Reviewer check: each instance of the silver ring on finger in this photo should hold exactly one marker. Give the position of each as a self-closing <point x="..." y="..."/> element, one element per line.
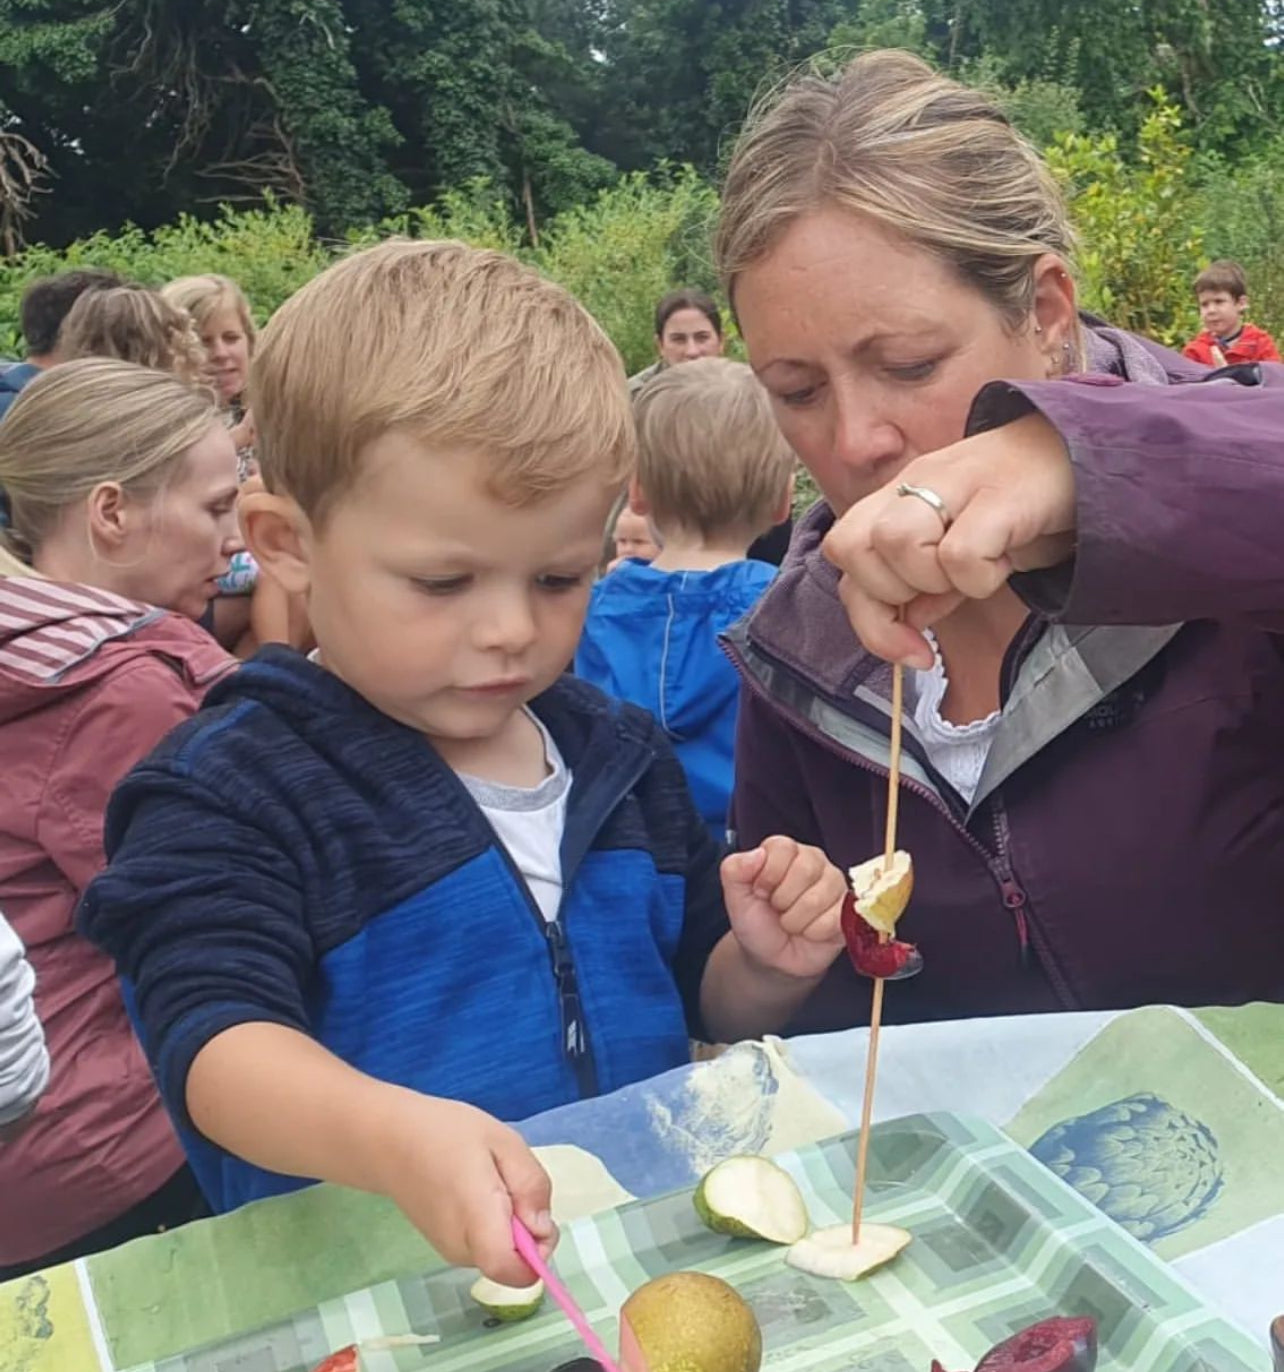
<point x="928" y="497"/>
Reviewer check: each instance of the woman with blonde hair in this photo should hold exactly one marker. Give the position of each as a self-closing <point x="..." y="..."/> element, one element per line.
<point x="1067" y="540"/>
<point x="121" y="486"/>
<point x="221" y="313"/>
<point x="134" y="324"/>
<point x="226" y="328"/>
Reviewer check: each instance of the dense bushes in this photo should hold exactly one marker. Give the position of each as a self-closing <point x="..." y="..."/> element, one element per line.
<point x="617" y="254"/>
<point x="1148" y="220"/>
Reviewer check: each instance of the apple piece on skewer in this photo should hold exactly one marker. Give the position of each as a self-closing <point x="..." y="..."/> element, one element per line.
<point x="831" y="1252"/>
<point x="882" y="889"/>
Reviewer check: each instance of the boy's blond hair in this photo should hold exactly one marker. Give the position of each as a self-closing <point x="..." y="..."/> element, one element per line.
<point x="1223" y="276"/>
<point x="710" y="455"/>
<point x="133" y="324"/>
<point x="461" y="348"/>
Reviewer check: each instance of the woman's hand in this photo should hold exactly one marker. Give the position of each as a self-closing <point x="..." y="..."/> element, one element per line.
<point x="1010" y="493"/>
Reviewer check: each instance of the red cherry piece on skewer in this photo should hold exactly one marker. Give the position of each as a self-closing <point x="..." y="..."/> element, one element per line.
<point x="894" y="960"/>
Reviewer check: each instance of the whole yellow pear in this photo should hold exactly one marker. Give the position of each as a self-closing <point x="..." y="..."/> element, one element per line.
<point x="689" y="1322"/>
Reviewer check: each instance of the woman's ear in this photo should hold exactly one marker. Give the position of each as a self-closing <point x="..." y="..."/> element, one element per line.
<point x="1056" y="314"/>
<point x="279" y="535"/>
<point x="638" y="502"/>
<point x="112" y="518"/>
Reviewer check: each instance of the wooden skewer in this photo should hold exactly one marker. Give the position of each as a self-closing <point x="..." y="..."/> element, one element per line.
<point x="876" y="1010"/>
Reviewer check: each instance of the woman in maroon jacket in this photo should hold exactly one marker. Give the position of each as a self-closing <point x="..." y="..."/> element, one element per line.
<point x="121" y="486"/>
<point x="1072" y="543"/>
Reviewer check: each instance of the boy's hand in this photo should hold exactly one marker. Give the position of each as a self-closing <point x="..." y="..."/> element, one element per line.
<point x="459" y="1176"/>
<point x="784" y="900"/>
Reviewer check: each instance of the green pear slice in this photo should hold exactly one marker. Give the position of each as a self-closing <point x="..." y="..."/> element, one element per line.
<point x="831" y="1252"/>
<point x="752" y="1198"/>
<point x="507" y="1303"/>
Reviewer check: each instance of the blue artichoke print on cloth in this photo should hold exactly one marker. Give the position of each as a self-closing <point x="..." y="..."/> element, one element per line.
<point x="1151" y="1168"/>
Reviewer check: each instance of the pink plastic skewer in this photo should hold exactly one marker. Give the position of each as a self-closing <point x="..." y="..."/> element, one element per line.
<point x="529" y="1250"/>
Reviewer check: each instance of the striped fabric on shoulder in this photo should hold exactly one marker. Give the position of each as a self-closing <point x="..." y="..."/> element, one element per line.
<point x="49" y="627"/>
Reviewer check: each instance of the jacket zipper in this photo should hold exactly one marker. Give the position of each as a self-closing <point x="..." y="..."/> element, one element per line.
<point x="574" y="1026"/>
<point x="1018" y="903"/>
<point x="574" y="1030"/>
<point x="1014" y="897"/>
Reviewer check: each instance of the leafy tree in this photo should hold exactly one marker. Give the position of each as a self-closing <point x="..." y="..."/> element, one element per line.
<point x="1138" y="222"/>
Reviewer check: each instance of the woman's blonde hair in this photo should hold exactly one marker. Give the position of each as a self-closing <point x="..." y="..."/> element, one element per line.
<point x="203" y="296"/>
<point x="134" y="324"/>
<point x="84" y="423"/>
<point x="892" y="140"/>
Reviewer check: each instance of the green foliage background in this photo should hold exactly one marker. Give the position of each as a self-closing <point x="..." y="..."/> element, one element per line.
<point x="259" y="137"/>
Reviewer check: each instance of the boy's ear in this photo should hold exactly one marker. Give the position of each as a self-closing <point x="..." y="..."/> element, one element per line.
<point x="638" y="502"/>
<point x="786" y="505"/>
<point x="279" y="535"/>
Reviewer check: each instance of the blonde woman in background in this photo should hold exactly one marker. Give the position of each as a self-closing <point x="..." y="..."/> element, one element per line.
<point x="221" y="312"/>
<point x="134" y="324"/>
<point x="121" y="484"/>
<point x="1093" y="788"/>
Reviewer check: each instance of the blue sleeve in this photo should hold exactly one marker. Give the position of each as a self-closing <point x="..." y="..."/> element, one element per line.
<point x="204" y="914"/>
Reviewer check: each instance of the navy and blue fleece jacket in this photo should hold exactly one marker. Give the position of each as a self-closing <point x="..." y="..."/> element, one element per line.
<point x="294" y="856"/>
<point x="651" y="637"/>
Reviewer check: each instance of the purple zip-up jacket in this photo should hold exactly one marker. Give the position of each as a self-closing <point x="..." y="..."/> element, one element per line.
<point x="1126" y="843"/>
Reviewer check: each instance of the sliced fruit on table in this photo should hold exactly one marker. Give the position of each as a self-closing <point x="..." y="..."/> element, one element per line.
<point x="1056" y="1345"/>
<point x="348" y="1359"/>
<point x="752" y="1198"/>
<point x="507" y="1303"/>
<point x="831" y="1253"/>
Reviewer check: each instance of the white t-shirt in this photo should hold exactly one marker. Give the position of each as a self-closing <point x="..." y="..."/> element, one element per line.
<point x="957" y="751"/>
<point x="24" y="1061"/>
<point x="529" y="822"/>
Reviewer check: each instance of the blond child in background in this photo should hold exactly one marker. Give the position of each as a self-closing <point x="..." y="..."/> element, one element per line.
<point x="374" y="902"/>
<point x="713" y="475"/>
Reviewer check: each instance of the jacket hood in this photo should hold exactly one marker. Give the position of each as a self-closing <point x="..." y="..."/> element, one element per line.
<point x="651" y="637"/>
<point x="57" y="637"/>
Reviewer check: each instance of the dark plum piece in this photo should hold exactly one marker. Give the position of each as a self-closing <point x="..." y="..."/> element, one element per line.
<point x="1055" y="1345"/>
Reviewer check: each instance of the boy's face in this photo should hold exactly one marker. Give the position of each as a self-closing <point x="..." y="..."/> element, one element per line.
<point x="444" y="607"/>
<point x="1221" y="312"/>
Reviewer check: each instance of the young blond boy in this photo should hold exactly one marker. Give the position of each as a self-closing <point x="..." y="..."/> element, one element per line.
<point x="713" y="475"/>
<point x="1222" y="291"/>
<point x="367" y="906"/>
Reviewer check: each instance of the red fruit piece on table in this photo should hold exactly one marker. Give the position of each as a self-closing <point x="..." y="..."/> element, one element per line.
<point x="893" y="961"/>
<point x="1056" y="1345"/>
<point x="344" y="1360"/>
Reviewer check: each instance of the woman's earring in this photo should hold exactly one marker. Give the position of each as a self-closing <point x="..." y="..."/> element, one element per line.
<point x="1067" y="357"/>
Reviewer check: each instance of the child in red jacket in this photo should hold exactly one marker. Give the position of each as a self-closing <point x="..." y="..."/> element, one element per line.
<point x="1226" y="339"/>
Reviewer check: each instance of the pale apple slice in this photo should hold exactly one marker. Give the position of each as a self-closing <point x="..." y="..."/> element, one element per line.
<point x="831" y="1252"/>
<point x="752" y="1198"/>
<point x="507" y="1303"/>
<point x="883" y="890"/>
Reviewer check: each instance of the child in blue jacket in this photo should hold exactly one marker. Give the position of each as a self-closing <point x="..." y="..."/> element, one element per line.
<point x="370" y="903"/>
<point x="713" y="475"/>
